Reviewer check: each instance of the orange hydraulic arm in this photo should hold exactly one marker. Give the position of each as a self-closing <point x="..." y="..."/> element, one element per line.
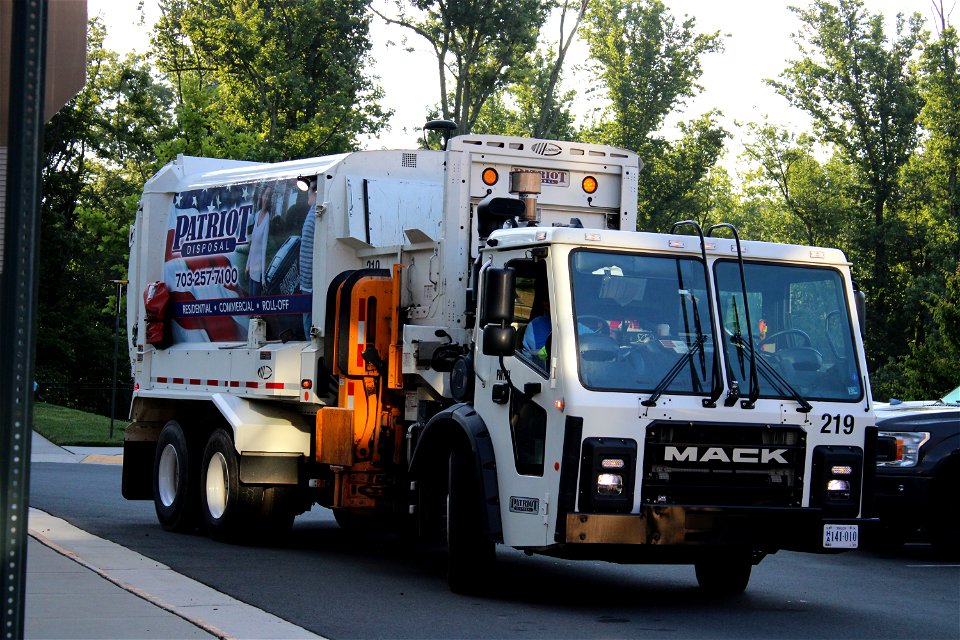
<point x="362" y="437"/>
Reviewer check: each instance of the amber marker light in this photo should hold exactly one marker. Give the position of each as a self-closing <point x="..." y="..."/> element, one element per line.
<point x="306" y="383"/>
<point x="490" y="176"/>
<point x="589" y="184"/>
<point x="559" y="404"/>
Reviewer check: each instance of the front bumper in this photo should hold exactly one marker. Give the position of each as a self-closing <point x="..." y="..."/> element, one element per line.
<point x="902" y="500"/>
<point x="761" y="529"/>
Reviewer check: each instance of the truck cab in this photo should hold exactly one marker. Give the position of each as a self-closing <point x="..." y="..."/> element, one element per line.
<point x="692" y="396"/>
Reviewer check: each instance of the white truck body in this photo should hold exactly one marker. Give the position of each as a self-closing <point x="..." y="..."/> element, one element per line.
<point x="717" y="436"/>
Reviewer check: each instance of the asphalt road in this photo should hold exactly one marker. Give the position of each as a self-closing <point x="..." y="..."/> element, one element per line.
<point x="344" y="585"/>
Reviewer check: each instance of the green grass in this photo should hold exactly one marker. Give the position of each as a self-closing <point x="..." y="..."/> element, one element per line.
<point x="64" y="426"/>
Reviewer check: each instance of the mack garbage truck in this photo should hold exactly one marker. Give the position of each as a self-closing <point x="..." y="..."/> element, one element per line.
<point x="475" y="346"/>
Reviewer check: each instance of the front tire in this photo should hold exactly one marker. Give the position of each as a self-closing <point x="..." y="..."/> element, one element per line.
<point x="175" y="485"/>
<point x="725" y="576"/>
<point x="470" y="552"/>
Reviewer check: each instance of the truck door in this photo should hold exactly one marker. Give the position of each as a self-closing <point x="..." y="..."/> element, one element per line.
<point x="517" y="405"/>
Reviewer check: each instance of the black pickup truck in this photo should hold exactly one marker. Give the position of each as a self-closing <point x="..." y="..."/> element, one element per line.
<point x="918" y="472"/>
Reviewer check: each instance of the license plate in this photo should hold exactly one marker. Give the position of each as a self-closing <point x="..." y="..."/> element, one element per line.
<point x="840" y="536"/>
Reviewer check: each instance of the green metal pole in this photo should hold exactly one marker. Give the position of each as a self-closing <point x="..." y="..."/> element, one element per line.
<point x="18" y="302"/>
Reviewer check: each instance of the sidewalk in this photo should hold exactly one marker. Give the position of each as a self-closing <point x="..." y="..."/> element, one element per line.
<point x="82" y="586"/>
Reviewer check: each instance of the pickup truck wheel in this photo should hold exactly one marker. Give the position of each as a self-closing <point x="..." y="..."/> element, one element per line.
<point x="722" y="577"/>
<point x="945" y="528"/>
<point x="175" y="485"/>
<point x="220" y="488"/>
<point x="470" y="553"/>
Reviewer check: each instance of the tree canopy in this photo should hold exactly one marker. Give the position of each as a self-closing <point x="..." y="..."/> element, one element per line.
<point x="480" y="47"/>
<point x="876" y="175"/>
<point x="268" y="80"/>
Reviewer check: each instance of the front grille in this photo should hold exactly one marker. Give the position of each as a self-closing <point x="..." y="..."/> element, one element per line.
<point x="723" y="465"/>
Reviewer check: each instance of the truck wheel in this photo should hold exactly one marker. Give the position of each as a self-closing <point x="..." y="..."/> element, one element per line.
<point x="945" y="528"/>
<point x="724" y="576"/>
<point x="220" y="506"/>
<point x="175" y="480"/>
<point x="470" y="553"/>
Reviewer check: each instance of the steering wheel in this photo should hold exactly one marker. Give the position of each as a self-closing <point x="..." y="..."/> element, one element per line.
<point x="773" y="336"/>
<point x="596" y="324"/>
<point x="596" y="348"/>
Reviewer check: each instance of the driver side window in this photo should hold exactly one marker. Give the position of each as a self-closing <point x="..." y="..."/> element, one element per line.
<point x="532" y="316"/>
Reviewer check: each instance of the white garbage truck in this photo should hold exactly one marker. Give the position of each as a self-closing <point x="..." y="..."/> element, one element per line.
<point x="476" y="346"/>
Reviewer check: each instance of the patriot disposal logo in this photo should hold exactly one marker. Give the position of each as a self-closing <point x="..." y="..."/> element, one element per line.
<point x="205" y="225"/>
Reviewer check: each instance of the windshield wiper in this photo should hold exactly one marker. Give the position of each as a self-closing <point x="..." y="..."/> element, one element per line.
<point x="674" y="371"/>
<point x="767" y="370"/>
<point x="716" y="387"/>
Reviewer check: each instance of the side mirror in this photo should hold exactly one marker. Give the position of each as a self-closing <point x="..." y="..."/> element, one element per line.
<point x="860" y="302"/>
<point x="499" y="341"/>
<point x="499" y="290"/>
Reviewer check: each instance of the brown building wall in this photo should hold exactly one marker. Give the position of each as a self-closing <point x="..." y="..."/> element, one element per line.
<point x="65" y="72"/>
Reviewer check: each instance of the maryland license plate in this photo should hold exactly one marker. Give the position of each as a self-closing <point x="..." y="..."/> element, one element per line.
<point x="840" y="536"/>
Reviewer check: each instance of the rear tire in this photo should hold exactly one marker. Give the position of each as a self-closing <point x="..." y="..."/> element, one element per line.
<point x="470" y="553"/>
<point x="724" y="577"/>
<point x="220" y="505"/>
<point x="232" y="512"/>
<point x="175" y="484"/>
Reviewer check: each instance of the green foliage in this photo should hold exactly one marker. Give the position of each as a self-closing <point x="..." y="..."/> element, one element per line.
<point x="928" y="236"/>
<point x="480" y="46"/>
<point x="674" y="184"/>
<point x="862" y="93"/>
<point x="815" y="196"/>
<point x="930" y="370"/>
<point x="267" y="80"/>
<point x="270" y="80"/>
<point x="531" y="106"/>
<point x="650" y="65"/>
<point x="98" y="150"/>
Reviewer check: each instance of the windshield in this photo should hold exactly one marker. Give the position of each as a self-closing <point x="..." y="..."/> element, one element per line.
<point x="638" y="316"/>
<point x="952" y="398"/>
<point x="800" y="328"/>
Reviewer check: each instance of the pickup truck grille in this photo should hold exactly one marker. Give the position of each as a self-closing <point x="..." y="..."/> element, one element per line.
<point x="723" y="465"/>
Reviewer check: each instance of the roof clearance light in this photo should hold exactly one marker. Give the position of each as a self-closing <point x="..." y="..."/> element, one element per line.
<point x="490" y="176"/>
<point x="589" y="184"/>
<point x="675" y="244"/>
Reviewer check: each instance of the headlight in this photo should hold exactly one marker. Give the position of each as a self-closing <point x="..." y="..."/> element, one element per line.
<point x="609" y="484"/>
<point x="907" y="443"/>
<point x="838" y="489"/>
<point x="836" y="480"/>
<point x="607" y="475"/>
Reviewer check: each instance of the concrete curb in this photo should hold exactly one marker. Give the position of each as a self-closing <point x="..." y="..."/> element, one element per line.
<point x="214" y="612"/>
